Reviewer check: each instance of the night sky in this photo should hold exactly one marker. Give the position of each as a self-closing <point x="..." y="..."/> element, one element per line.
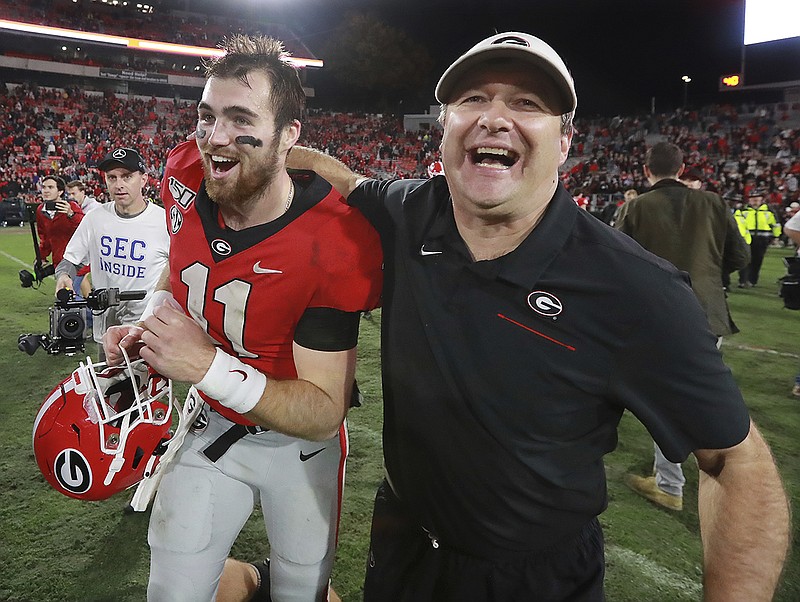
<point x="622" y="53"/>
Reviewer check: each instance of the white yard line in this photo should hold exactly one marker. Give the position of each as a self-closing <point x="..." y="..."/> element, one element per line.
<point x="759" y="350"/>
<point x="663" y="578"/>
<point x="17" y="259"/>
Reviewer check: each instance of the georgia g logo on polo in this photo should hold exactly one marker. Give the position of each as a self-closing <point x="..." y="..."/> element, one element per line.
<point x="72" y="471"/>
<point x="545" y="303"/>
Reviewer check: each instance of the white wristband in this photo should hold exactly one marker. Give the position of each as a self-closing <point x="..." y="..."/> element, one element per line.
<point x="233" y="383"/>
<point x="159" y="297"/>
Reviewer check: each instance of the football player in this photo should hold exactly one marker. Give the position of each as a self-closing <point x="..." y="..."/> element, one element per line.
<point x="259" y="310"/>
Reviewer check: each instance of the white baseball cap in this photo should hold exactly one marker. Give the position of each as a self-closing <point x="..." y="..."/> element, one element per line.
<point x="512" y="45"/>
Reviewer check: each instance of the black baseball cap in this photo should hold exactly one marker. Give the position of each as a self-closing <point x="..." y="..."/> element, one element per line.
<point x="128" y="158"/>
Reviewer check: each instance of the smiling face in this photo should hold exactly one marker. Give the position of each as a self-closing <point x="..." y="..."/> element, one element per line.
<point x="502" y="142"/>
<point x="242" y="152"/>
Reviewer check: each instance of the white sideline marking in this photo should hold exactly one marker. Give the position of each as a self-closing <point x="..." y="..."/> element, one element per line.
<point x="17" y="259"/>
<point x="662" y="577"/>
<point x="759" y="350"/>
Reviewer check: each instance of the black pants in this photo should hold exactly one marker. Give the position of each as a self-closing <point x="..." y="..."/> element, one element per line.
<point x="758" y="248"/>
<point x="404" y="566"/>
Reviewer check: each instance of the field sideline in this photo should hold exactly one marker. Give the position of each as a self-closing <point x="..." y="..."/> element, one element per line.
<point x="58" y="549"/>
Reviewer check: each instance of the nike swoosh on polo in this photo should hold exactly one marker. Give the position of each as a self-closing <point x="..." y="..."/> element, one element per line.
<point x="304" y="457"/>
<point x="423" y="251"/>
<point x="259" y="270"/>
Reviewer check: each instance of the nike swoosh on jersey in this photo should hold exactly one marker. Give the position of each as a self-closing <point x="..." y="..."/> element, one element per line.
<point x="259" y="270"/>
<point x="304" y="457"/>
<point x="423" y="251"/>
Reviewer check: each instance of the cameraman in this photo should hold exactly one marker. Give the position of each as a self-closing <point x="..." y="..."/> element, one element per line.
<point x="56" y="219"/>
<point x="125" y="242"/>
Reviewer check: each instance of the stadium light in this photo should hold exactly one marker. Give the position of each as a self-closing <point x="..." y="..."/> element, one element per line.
<point x="134" y="43"/>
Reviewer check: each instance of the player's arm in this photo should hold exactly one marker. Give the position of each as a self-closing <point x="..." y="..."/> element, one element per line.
<point x="129" y="335"/>
<point x="310" y="407"/>
<point x="341" y="177"/>
<point x="744" y="521"/>
<point x="313" y="406"/>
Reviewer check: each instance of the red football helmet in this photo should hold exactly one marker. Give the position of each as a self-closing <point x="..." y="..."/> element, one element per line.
<point x="103" y="429"/>
<point x="435" y="169"/>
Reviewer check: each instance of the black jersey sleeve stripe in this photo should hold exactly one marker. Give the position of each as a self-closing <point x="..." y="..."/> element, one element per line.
<point x="327" y="329"/>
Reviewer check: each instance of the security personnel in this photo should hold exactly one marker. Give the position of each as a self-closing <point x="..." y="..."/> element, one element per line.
<point x="742" y="224"/>
<point x="763" y="228"/>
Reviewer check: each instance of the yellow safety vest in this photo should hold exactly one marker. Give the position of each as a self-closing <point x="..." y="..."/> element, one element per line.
<point x="742" y="223"/>
<point x="761" y="221"/>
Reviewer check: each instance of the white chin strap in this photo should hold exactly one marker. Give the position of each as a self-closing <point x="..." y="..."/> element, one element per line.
<point x="148" y="486"/>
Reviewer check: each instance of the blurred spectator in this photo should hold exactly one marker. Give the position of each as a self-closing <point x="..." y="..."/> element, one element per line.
<point x="56" y="219"/>
<point x="695" y="231"/>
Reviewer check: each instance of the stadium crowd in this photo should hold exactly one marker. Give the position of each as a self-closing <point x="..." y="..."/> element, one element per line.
<point x="67" y="131"/>
<point x="180" y="28"/>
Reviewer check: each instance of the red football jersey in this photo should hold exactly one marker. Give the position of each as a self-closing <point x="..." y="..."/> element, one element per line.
<point x="249" y="288"/>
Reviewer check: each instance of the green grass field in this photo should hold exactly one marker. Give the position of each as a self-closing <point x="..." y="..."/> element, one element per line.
<point x="54" y="548"/>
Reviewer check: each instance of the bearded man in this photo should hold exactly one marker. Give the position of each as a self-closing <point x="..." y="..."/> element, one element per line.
<point x="259" y="310"/>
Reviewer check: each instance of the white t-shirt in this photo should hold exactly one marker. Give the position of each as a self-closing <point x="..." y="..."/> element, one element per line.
<point x="793" y="223"/>
<point x="89" y="203"/>
<point x="125" y="253"/>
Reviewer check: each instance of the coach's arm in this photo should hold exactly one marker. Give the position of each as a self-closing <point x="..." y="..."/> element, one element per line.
<point x="744" y="521"/>
<point x="341" y="177"/>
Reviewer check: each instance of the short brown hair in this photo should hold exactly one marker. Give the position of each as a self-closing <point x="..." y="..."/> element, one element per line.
<point x="244" y="54"/>
<point x="58" y="180"/>
<point x="664" y="160"/>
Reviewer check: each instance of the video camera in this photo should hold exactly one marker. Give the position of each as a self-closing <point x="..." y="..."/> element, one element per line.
<point x="69" y="318"/>
<point x="40" y="272"/>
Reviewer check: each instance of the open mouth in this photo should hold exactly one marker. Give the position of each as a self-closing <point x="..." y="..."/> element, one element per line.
<point x="222" y="165"/>
<point x="495" y="158"/>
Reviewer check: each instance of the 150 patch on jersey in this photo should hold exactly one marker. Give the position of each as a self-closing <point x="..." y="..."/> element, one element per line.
<point x="182" y="194"/>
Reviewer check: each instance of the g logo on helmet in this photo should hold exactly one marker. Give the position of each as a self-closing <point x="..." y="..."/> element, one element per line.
<point x="72" y="471"/>
<point x="103" y="429"/>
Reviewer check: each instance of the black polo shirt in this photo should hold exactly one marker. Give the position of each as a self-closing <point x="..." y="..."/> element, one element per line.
<point x="504" y="380"/>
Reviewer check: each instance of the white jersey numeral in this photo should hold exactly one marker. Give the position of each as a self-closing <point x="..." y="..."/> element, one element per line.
<point x="232" y="295"/>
